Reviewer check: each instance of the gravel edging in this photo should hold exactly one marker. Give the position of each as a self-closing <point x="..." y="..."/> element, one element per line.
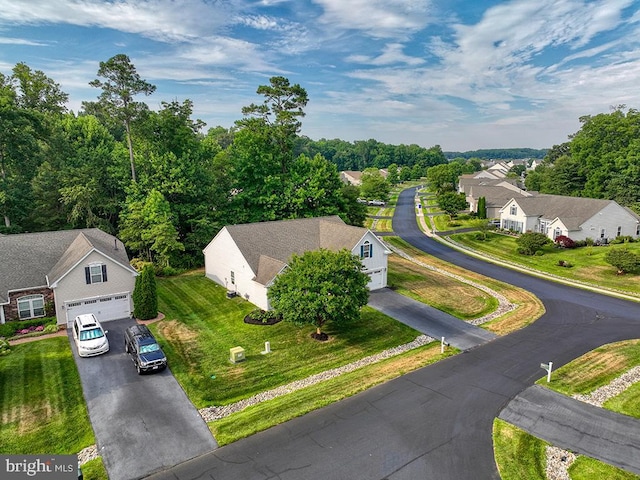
<point x="212" y="413"/>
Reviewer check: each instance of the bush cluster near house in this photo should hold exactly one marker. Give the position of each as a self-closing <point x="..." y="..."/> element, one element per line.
<point x="531" y="242"/>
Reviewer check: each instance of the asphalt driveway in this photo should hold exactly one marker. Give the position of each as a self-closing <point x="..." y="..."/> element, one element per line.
<point x="429" y="320"/>
<point x="577" y="426"/>
<point x="142" y="423"/>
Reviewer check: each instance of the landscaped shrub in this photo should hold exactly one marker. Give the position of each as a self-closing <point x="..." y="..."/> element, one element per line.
<point x="622" y="239"/>
<point x="5" y="349"/>
<point x="624" y="260"/>
<point x="564" y="263"/>
<point x="145" y="296"/>
<point x="589" y="242"/>
<point x="529" y="243"/>
<point x="13" y="328"/>
<point x="539" y="253"/>
<point x="565" y="242"/>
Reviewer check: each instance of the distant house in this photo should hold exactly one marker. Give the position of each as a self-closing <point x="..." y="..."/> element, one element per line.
<point x="496" y="191"/>
<point x="351" y="177"/>
<point x="75" y="271"/>
<point x="575" y="217"/>
<point x="246" y="258"/>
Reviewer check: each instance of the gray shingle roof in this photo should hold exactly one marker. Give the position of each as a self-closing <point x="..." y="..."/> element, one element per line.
<point x="268" y="246"/>
<point x="27" y="259"/>
<point x="573" y="211"/>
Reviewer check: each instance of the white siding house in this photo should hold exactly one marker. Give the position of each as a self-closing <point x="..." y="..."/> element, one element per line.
<point x="246" y="258"/>
<point x="575" y="217"/>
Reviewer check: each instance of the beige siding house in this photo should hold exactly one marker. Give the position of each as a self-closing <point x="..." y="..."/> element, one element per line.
<point x="74" y="271"/>
<point x="246" y="258"/>
<point x="575" y="217"/>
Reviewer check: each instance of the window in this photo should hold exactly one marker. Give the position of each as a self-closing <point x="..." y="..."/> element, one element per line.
<point x="233" y="278"/>
<point x="366" y="250"/>
<point x="31" y="306"/>
<point x="602" y="232"/>
<point x="638" y="230"/>
<point x="513" y="210"/>
<point x="619" y="231"/>
<point x="95" y="273"/>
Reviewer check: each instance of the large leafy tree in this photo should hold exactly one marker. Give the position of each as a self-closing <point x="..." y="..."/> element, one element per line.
<point x="147" y="227"/>
<point x="452" y="202"/>
<point x="374" y="186"/>
<point x="120" y="86"/>
<point x="319" y="287"/>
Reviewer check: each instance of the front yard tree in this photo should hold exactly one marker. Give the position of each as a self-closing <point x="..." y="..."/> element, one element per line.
<point x="122" y="83"/>
<point x="530" y="242"/>
<point x="145" y="294"/>
<point x="624" y="260"/>
<point x="374" y="186"/>
<point x="318" y="287"/>
<point x="452" y="202"/>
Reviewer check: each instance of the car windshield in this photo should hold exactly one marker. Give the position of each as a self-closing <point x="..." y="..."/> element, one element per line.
<point x="154" y="347"/>
<point x="91" y="334"/>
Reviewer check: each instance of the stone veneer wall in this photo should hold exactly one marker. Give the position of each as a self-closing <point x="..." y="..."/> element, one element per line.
<point x="11" y="310"/>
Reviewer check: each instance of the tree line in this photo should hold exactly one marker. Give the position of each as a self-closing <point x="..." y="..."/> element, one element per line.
<point x="157" y="179"/>
<point x="601" y="160"/>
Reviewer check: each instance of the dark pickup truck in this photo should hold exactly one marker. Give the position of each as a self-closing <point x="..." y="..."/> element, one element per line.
<point x="145" y="352"/>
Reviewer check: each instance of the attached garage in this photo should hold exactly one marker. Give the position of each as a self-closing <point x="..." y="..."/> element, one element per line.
<point x="109" y="307"/>
<point x="377" y="279"/>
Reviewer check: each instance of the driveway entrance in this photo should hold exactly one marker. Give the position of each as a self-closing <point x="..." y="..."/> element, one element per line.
<point x="142" y="423"/>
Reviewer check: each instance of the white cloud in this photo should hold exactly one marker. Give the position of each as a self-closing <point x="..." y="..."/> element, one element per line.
<point x="376" y="18"/>
<point x="392" y="54"/>
<point x="164" y="20"/>
<point x="21" y="41"/>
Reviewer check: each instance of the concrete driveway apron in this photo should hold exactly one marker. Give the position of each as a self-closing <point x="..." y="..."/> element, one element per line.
<point x="142" y="423"/>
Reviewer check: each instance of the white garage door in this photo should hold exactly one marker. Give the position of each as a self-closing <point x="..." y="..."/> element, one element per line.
<point x="109" y="307"/>
<point x="375" y="280"/>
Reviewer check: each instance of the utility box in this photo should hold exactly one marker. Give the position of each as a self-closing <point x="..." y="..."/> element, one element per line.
<point x="237" y="354"/>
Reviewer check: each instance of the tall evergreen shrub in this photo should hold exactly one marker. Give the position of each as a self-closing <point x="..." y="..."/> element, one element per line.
<point x="145" y="294"/>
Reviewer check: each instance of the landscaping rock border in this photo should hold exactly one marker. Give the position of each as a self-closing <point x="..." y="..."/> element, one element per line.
<point x="210" y="414"/>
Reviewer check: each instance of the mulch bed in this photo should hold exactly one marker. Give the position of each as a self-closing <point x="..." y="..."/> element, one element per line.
<point x="252" y="321"/>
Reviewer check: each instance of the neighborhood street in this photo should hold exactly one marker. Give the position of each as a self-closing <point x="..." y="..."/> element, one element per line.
<point x="435" y="422"/>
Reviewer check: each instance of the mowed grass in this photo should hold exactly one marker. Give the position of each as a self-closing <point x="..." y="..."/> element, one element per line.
<point x="201" y="325"/>
<point x="41" y="403"/>
<point x="438" y="290"/>
<point x="519" y="456"/>
<point x="588" y="262"/>
<point x="267" y="414"/>
<point x="595" y="369"/>
<point x="529" y="308"/>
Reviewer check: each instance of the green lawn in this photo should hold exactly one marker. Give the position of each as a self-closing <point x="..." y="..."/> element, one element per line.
<point x="43" y="410"/>
<point x="588" y="263"/>
<point x="201" y="325"/>
<point x="596" y="369"/>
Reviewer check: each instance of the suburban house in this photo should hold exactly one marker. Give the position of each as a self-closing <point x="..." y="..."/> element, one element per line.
<point x="246" y="258"/>
<point x="575" y="217"/>
<point x="495" y="193"/>
<point x="352" y="177"/>
<point x="69" y="272"/>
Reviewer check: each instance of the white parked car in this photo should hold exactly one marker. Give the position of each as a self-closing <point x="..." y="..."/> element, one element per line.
<point x="90" y="337"/>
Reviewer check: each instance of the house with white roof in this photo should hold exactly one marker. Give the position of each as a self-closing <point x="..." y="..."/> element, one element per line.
<point x="246" y="258"/>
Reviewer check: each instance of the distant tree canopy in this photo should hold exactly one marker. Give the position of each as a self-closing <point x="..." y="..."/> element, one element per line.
<point x="499" y="154"/>
<point x="601" y="160"/>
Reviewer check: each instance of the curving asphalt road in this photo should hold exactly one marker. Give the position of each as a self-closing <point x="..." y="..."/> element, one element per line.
<point x="435" y="422"/>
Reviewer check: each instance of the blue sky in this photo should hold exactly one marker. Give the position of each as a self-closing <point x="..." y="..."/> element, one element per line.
<point x="463" y="74"/>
